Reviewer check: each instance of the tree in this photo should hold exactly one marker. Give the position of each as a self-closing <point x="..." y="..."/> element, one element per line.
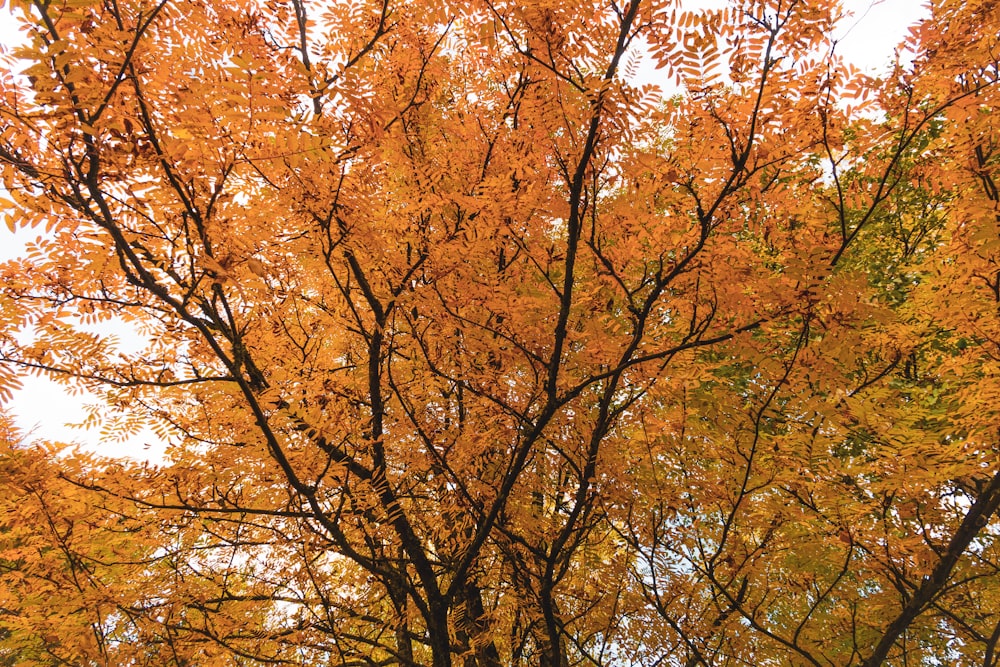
<point x="470" y="350"/>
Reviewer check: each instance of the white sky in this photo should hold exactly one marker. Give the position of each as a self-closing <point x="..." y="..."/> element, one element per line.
<point x="43" y="409"/>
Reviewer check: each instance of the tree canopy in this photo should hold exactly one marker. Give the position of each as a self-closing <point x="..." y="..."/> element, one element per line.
<point x="471" y="348"/>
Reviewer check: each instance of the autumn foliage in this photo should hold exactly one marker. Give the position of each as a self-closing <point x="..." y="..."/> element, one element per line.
<point x="472" y="347"/>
